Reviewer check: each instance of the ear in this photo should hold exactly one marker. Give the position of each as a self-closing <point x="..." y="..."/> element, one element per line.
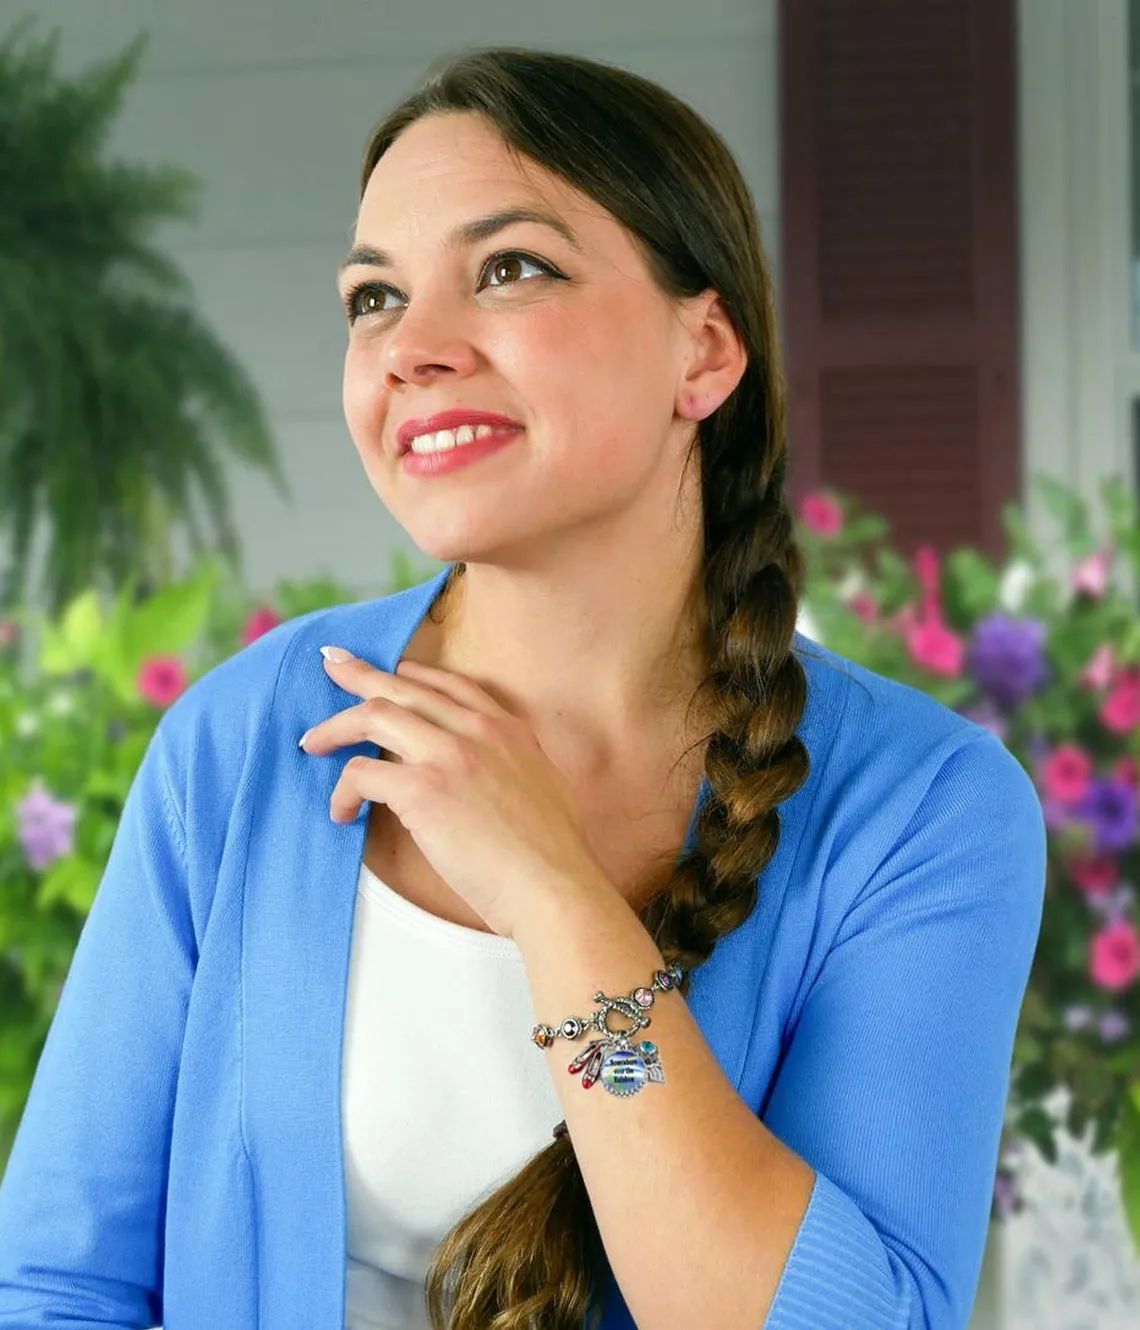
<point x="717" y="361"/>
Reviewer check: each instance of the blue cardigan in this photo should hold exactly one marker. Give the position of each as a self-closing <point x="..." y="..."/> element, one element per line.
<point x="180" y="1155"/>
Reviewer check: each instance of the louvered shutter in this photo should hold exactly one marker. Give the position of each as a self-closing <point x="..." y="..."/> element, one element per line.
<point x="899" y="292"/>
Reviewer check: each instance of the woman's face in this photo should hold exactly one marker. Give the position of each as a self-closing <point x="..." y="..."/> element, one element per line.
<point x="553" y="324"/>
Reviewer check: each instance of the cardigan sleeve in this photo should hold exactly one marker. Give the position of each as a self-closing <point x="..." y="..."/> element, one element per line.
<point x="895" y="1079"/>
<point x="82" y="1202"/>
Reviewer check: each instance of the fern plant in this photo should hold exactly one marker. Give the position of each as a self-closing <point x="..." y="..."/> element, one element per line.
<point x="117" y="401"/>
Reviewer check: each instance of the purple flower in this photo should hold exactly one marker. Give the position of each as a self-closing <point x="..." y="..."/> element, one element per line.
<point x="1005" y="1195"/>
<point x="1110" y="806"/>
<point x="1114" y="1025"/>
<point x="47" y="827"/>
<point x="1113" y="907"/>
<point x="1006" y="658"/>
<point x="987" y="715"/>
<point x="1057" y="815"/>
<point x="1077" y="1017"/>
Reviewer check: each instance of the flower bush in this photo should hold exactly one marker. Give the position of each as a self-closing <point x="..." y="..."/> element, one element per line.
<point x="1047" y="658"/>
<point x="1044" y="652"/>
<point x="80" y="697"/>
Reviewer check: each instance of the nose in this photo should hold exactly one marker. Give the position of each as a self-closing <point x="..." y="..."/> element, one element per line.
<point x="429" y="342"/>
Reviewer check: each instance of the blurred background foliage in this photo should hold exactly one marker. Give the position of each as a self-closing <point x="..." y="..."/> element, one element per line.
<point x="118" y="404"/>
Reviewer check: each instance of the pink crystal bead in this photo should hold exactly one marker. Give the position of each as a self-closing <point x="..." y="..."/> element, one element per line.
<point x="644" y="997"/>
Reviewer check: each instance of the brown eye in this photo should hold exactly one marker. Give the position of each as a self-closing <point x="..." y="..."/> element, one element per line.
<point x="509" y="269"/>
<point x="369" y="298"/>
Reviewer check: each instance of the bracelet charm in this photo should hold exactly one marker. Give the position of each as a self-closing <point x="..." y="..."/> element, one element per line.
<point x="623" y="1067"/>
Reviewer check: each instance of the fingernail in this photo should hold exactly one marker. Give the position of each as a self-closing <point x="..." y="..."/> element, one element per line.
<point x="301" y="742"/>
<point x="337" y="655"/>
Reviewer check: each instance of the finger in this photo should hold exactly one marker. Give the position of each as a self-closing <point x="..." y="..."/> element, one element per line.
<point x="460" y="688"/>
<point x="379" y="720"/>
<point x="364" y="778"/>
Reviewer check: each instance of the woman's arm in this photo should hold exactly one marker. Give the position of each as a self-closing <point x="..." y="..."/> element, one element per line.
<point x="886" y="1116"/>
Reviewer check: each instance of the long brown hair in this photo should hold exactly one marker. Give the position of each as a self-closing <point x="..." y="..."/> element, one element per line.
<point x="531" y="1254"/>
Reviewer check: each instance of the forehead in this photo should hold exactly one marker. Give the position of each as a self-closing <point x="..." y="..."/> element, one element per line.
<point x="444" y="167"/>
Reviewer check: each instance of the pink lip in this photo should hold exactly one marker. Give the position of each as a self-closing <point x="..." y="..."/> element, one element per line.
<point x="452" y="419"/>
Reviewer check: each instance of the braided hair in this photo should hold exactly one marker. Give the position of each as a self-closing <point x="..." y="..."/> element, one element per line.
<point x="531" y="1254"/>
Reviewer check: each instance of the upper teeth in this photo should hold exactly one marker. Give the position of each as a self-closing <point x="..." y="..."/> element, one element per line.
<point x="449" y="438"/>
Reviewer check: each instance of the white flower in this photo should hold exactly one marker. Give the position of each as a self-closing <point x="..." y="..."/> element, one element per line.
<point x="854" y="581"/>
<point x="806" y="625"/>
<point x="27" y="724"/>
<point x="61" y="703"/>
<point x="1015" y="584"/>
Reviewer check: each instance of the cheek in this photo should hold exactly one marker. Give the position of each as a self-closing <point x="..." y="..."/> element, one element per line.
<point x="359" y="394"/>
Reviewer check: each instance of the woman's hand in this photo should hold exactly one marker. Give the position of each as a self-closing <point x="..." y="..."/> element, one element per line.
<point x="472" y="786"/>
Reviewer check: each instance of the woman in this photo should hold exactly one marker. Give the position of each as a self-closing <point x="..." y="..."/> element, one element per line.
<point x="306" y="1065"/>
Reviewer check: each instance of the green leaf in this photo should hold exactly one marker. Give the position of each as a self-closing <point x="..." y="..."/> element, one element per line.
<point x="976" y="582"/>
<point x="73" y="644"/>
<point x="1128" y="1147"/>
<point x="1069" y="509"/>
<point x="72" y="880"/>
<point x="1036" y="1125"/>
<point x="165" y="624"/>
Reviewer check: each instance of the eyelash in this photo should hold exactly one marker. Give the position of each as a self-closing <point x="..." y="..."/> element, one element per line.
<point x="382" y="288"/>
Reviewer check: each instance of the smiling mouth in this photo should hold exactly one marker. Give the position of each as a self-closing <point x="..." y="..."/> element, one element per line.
<point x="445" y="439"/>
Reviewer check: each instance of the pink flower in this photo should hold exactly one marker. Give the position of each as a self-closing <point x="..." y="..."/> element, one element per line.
<point x="9" y="631"/>
<point x="162" y="679"/>
<point x="821" y="513"/>
<point x="1096" y="875"/>
<point x="1101" y="667"/>
<point x="1127" y="769"/>
<point x="259" y="623"/>
<point x="1090" y="576"/>
<point x="864" y="605"/>
<point x="1120" y="711"/>
<point x="1066" y="773"/>
<point x="933" y="646"/>
<point x="1114" y="956"/>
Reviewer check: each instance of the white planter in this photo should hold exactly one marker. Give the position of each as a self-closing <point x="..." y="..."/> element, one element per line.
<point x="1067" y="1261"/>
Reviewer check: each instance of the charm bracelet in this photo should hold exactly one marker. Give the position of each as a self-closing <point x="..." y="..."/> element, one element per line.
<point x="621" y="1067"/>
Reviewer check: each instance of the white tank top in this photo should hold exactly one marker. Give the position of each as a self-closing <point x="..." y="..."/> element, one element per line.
<point x="444" y="1096"/>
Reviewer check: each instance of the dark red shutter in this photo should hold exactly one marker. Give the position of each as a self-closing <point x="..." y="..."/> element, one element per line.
<point x="899" y="292"/>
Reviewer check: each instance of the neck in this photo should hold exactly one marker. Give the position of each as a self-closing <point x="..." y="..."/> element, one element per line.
<point x="595" y="657"/>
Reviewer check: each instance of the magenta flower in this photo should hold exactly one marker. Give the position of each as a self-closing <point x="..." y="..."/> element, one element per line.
<point x="821" y="514"/>
<point x="1096" y="875"/>
<point x="933" y="646"/>
<point x="1066" y="773"/>
<point x="162" y="679"/>
<point x="1120" y="711"/>
<point x="259" y="623"/>
<point x="46" y="827"/>
<point x="864" y="605"/>
<point x="1114" y="956"/>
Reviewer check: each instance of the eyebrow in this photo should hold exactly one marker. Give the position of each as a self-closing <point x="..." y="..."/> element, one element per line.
<point x="468" y="233"/>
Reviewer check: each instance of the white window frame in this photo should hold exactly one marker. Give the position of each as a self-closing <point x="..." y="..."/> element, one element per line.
<point x="1080" y="370"/>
